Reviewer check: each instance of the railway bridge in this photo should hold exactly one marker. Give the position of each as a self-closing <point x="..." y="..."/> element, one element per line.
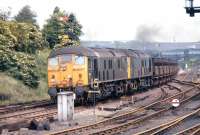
<point x="182" y="55"/>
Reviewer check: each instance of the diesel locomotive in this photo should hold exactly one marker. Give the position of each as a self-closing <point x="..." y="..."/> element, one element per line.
<point x="117" y="71"/>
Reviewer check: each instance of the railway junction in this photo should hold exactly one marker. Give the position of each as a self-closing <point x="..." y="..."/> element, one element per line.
<point x="95" y="78"/>
<point x="143" y="113"/>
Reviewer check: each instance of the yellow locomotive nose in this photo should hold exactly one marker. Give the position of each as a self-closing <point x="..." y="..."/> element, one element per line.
<point x="68" y="82"/>
<point x="65" y="71"/>
<point x="68" y="70"/>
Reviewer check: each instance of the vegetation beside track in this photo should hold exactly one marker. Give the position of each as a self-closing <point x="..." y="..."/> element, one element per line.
<point x="24" y="48"/>
<point x="14" y="91"/>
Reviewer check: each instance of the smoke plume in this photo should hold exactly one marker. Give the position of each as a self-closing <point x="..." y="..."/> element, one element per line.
<point x="146" y="33"/>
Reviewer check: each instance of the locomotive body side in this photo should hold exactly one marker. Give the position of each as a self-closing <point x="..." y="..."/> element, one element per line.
<point x="118" y="71"/>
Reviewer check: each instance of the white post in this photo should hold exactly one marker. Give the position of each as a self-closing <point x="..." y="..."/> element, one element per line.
<point x="65" y="106"/>
<point x="120" y="103"/>
<point x="132" y="99"/>
<point x="94" y="95"/>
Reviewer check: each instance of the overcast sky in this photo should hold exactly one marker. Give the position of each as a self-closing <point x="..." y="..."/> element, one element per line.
<point x="120" y="19"/>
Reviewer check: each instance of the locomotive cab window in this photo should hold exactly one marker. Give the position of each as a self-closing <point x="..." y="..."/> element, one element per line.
<point x="79" y="60"/>
<point x="53" y="61"/>
<point x="65" y="58"/>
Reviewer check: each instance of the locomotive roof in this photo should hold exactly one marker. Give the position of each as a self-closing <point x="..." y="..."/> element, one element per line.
<point x="83" y="51"/>
<point x="98" y="52"/>
<point x="138" y="53"/>
<point x="107" y="52"/>
<point x="102" y="52"/>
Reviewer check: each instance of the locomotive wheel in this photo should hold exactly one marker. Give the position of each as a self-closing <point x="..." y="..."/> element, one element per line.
<point x="54" y="99"/>
<point x="126" y="89"/>
<point x="136" y="85"/>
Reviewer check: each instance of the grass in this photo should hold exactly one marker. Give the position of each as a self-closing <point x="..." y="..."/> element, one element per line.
<point x="14" y="91"/>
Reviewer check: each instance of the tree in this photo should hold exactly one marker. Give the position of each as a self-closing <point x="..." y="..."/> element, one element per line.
<point x="56" y="10"/>
<point x="61" y="25"/>
<point x="18" y="45"/>
<point x="4" y="14"/>
<point x="26" y="15"/>
<point x="29" y="38"/>
<point x="73" y="28"/>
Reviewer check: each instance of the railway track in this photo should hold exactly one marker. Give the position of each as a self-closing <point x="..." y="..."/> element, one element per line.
<point x="124" y="117"/>
<point x="123" y="127"/>
<point x="44" y="112"/>
<point x="28" y="112"/>
<point x="162" y="129"/>
<point x="197" y="132"/>
<point x="25" y="118"/>
<point x="20" y="115"/>
<point x="190" y="131"/>
<point x="23" y="106"/>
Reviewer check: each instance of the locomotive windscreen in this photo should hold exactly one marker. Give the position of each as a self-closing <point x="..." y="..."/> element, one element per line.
<point x="65" y="58"/>
<point x="62" y="59"/>
<point x="53" y="61"/>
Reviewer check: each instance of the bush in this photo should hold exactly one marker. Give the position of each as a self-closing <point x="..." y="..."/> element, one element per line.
<point x="18" y="44"/>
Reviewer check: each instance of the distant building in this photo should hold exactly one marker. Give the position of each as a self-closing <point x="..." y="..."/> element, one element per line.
<point x="137" y="45"/>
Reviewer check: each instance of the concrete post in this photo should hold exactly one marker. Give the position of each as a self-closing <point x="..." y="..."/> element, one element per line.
<point x="65" y="106"/>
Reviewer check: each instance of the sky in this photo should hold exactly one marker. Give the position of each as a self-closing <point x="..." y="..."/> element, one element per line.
<point x="122" y="20"/>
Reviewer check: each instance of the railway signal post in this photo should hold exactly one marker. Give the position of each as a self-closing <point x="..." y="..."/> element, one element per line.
<point x="94" y="92"/>
<point x="190" y="9"/>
